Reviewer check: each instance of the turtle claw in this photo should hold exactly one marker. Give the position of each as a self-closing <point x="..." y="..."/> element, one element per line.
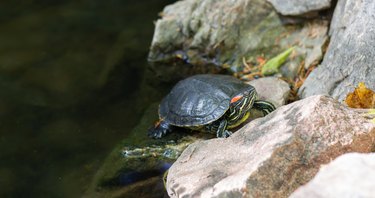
<point x="227" y="134"/>
<point x="224" y="134"/>
<point x="159" y="131"/>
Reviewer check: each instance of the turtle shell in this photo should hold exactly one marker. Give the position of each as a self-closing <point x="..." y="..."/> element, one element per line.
<point x="199" y="100"/>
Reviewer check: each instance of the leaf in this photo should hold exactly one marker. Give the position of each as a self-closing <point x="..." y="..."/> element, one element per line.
<point x="362" y="97"/>
<point x="272" y="66"/>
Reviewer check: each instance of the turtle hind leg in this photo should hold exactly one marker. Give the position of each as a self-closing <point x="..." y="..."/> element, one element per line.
<point x="160" y="129"/>
<point x="264" y="106"/>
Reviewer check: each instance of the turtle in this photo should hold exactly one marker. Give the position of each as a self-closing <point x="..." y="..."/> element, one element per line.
<point x="210" y="103"/>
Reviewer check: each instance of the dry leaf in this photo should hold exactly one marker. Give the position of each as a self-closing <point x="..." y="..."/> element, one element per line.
<point x="362" y="97"/>
<point x="261" y="60"/>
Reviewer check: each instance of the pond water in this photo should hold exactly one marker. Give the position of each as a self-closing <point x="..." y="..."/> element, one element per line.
<point x="72" y="84"/>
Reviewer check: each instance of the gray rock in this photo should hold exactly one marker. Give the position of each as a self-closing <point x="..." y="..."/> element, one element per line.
<point x="350" y="55"/>
<point x="211" y="31"/>
<point x="224" y="33"/>
<point x="314" y="41"/>
<point x="299" y="7"/>
<point x="350" y="175"/>
<point x="271" y="156"/>
<point x="272" y="89"/>
<point x="309" y="42"/>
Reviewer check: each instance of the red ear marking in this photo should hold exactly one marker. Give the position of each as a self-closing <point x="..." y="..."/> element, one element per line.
<point x="236" y="98"/>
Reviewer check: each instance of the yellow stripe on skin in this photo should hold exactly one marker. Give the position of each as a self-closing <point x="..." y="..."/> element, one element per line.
<point x="243" y="119"/>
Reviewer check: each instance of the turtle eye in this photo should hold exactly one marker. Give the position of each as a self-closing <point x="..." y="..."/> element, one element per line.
<point x="236" y="98"/>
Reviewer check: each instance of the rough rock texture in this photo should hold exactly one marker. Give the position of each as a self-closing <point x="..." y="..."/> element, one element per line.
<point x="350" y="175"/>
<point x="299" y="7"/>
<point x="212" y="31"/>
<point x="314" y="40"/>
<point x="224" y="33"/>
<point x="274" y="155"/>
<point x="309" y="41"/>
<point x="272" y="89"/>
<point x="350" y="55"/>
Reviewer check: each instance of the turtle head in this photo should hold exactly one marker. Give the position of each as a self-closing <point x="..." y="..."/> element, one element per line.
<point x="240" y="105"/>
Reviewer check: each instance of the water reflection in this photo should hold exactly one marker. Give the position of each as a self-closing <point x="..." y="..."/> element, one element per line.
<point x="71" y="86"/>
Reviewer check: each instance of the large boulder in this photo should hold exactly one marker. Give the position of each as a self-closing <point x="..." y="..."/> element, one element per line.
<point x="274" y="155"/>
<point x="225" y="33"/>
<point x="350" y="175"/>
<point x="211" y="31"/>
<point x="350" y="55"/>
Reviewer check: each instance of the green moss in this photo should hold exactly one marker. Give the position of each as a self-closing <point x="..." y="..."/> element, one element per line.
<point x="272" y="65"/>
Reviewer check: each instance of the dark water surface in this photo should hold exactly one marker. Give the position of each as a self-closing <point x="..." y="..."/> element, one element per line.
<point x="72" y="78"/>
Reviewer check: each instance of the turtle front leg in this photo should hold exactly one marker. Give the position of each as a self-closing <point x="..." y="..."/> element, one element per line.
<point x="222" y="131"/>
<point x="160" y="129"/>
<point x="264" y="106"/>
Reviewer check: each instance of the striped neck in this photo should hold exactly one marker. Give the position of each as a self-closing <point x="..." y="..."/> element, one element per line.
<point x="239" y="108"/>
